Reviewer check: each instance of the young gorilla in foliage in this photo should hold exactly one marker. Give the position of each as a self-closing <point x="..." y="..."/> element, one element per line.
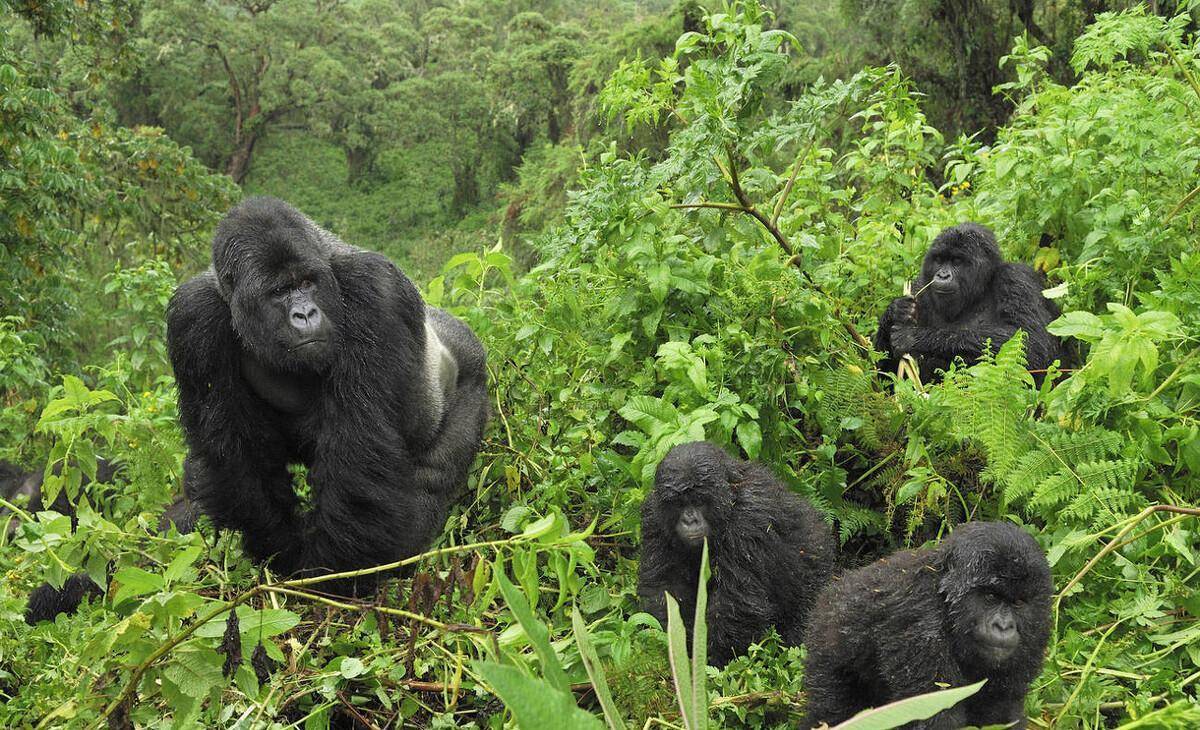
<point x="46" y="602"/>
<point x="770" y="550"/>
<point x="975" y="607"/>
<point x="965" y="297"/>
<point x="296" y="348"/>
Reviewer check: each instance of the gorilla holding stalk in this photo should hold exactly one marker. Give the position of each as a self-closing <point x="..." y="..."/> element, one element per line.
<point x="296" y="348"/>
<point x="771" y="552"/>
<point x="975" y="607"/>
<point x="966" y="296"/>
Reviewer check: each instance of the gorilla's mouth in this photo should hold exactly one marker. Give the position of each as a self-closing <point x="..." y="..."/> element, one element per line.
<point x="693" y="535"/>
<point x="943" y="288"/>
<point x="996" y="652"/>
<point x="306" y="343"/>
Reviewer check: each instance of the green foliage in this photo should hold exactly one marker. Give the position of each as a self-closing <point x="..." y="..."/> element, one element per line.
<point x="707" y="267"/>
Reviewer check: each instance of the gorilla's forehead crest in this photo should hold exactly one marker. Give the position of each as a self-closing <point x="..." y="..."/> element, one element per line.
<point x="998" y="553"/>
<point x="970" y="238"/>
<point x="692" y="466"/>
<point x="266" y="234"/>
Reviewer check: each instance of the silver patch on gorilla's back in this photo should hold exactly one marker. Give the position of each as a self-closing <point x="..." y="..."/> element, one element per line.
<point x="441" y="372"/>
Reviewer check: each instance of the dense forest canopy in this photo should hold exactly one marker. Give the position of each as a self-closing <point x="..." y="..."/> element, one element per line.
<point x="666" y="221"/>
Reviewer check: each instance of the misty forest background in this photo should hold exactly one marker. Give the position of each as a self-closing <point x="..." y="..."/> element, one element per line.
<point x="536" y="167"/>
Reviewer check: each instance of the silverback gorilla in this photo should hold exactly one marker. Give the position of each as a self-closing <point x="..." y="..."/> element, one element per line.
<point x="975" y="607"/>
<point x="965" y="297"/>
<point x="296" y="348"/>
<point x="770" y="550"/>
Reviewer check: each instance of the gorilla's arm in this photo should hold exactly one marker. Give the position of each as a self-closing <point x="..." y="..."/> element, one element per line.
<point x="660" y="571"/>
<point x="900" y="309"/>
<point x="46" y="601"/>
<point x="236" y="470"/>
<point x="739" y="602"/>
<point x="442" y="463"/>
<point x="914" y="658"/>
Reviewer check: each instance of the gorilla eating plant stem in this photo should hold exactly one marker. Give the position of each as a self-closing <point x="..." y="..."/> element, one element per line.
<point x="770" y="223"/>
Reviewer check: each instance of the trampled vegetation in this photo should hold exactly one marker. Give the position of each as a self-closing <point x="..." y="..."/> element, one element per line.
<point x="699" y="223"/>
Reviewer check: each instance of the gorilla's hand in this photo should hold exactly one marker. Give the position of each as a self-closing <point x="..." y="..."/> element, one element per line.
<point x="904" y="338"/>
<point x="902" y="310"/>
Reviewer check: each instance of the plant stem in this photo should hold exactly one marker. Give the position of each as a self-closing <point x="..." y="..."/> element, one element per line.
<point x="1116" y="543"/>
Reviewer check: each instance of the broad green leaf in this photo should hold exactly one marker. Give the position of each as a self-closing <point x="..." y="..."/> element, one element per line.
<point x="512" y="518"/>
<point x="133" y="581"/>
<point x="911" y="709"/>
<point x="195" y="671"/>
<point x="1084" y="325"/>
<point x="534" y="703"/>
<point x="254" y="624"/>
<point x="595" y="671"/>
<point x="535" y="630"/>
<point x="749" y="437"/>
<point x="181" y="563"/>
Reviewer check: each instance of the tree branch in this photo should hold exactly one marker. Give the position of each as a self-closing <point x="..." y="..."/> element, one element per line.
<point x="744" y="205"/>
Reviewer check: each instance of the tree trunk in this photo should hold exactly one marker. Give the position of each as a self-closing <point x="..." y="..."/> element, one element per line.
<point x="239" y="161"/>
<point x="359" y="164"/>
<point x="466" y="189"/>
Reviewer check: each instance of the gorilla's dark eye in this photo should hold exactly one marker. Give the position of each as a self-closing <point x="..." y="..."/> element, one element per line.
<point x="306" y="285"/>
<point x="280" y="291"/>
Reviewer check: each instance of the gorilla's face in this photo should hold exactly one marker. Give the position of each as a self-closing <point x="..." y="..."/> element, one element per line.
<point x="694" y="488"/>
<point x="995" y="619"/>
<point x="958" y="267"/>
<point x="285" y="302"/>
<point x="997" y="590"/>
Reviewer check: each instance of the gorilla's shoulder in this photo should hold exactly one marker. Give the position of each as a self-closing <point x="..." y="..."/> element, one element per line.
<point x="373" y="287"/>
<point x="1016" y="275"/>
<point x="196" y="302"/>
<point x="459" y="337"/>
<point x="198" y="325"/>
<point x="368" y="272"/>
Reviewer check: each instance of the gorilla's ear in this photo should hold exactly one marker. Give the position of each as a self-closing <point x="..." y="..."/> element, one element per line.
<point x="956" y="562"/>
<point x="224" y="286"/>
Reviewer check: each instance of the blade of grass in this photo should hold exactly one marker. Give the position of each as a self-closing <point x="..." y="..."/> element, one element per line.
<point x="595" y="672"/>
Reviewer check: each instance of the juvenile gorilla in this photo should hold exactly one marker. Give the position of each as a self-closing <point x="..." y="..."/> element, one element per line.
<point x="46" y="601"/>
<point x="770" y="551"/>
<point x="296" y="348"/>
<point x="975" y="607"/>
<point x="965" y="296"/>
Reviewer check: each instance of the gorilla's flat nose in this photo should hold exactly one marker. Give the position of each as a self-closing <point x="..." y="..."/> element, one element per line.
<point x="306" y="319"/>
<point x="1004" y="624"/>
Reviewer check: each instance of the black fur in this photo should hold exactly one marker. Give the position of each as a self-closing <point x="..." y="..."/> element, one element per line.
<point x="769" y="550"/>
<point x="984" y="299"/>
<point x="386" y="420"/>
<point x="907" y="623"/>
<point x="46" y="601"/>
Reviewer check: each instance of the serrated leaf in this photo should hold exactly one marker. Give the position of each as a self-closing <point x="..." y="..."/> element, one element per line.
<point x="195" y="671"/>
